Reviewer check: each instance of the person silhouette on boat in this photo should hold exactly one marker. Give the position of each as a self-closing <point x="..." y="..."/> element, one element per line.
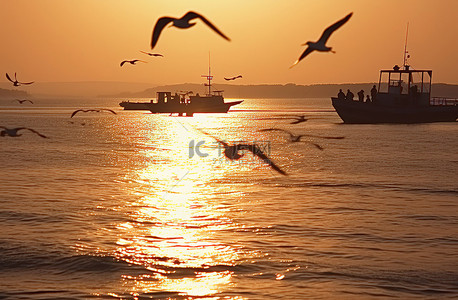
<point x="349" y="95"/>
<point x="373" y="93"/>
<point x="341" y="95"/>
<point x="361" y="96"/>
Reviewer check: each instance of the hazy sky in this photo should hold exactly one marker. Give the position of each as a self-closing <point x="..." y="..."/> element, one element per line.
<point x="85" y="40"/>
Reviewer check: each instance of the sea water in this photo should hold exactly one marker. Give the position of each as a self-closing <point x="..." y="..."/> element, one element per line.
<point x="144" y="206"/>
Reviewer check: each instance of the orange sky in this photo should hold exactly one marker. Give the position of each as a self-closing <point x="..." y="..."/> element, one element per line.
<point x="85" y="40"/>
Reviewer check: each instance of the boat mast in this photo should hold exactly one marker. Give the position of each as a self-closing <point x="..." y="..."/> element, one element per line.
<point x="405" y="49"/>
<point x="209" y="77"/>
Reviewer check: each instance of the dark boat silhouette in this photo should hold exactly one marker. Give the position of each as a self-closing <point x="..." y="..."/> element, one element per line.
<point x="403" y="96"/>
<point x="184" y="103"/>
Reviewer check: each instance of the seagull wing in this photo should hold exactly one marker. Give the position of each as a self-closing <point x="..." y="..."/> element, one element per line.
<point x="109" y="110"/>
<point x="157" y="54"/>
<point x="34" y="131"/>
<point x="192" y="15"/>
<point x="227" y="78"/>
<point x="256" y="151"/>
<point x="160" y="24"/>
<point x="218" y="140"/>
<point x="8" y="77"/>
<point x="123" y="62"/>
<point x="328" y="31"/>
<point x="77" y="111"/>
<point x="29" y="101"/>
<point x="150" y="54"/>
<point x="304" y="54"/>
<point x="26" y="82"/>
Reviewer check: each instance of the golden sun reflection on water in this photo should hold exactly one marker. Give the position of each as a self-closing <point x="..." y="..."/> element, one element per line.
<point x="176" y="222"/>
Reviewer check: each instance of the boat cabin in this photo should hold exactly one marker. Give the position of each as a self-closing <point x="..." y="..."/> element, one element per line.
<point x="404" y="87"/>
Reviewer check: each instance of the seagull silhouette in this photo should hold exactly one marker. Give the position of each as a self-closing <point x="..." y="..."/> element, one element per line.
<point x="13" y="132"/>
<point x="320" y="45"/>
<point x="22" y="101"/>
<point x="232" y="152"/>
<point x="232" y="78"/>
<point x="294" y="138"/>
<point x="182" y="23"/>
<point x="132" y="62"/>
<point x="15" y="81"/>
<point x="96" y="110"/>
<point x="152" y="54"/>
<point x="299" y="119"/>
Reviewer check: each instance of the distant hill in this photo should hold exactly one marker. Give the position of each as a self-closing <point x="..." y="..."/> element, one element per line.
<point x="4" y="93"/>
<point x="277" y="90"/>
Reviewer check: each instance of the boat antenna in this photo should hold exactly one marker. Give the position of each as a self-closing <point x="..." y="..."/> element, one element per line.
<point x="406" y="56"/>
<point x="209" y="77"/>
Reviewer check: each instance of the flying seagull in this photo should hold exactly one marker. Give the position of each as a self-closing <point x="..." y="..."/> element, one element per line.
<point x="15" y="81"/>
<point x="132" y="62"/>
<point x="299" y="119"/>
<point x="232" y="152"/>
<point x="294" y="138"/>
<point x="182" y="23"/>
<point x="233" y="78"/>
<point x="320" y="45"/>
<point x="22" y="101"/>
<point x="96" y="110"/>
<point x="13" y="132"/>
<point x="152" y="54"/>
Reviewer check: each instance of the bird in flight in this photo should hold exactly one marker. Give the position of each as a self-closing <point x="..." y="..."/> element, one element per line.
<point x="15" y="81"/>
<point x="132" y="62"/>
<point x="96" y="110"/>
<point x="320" y="45"/>
<point x="299" y="119"/>
<point x="13" y="132"/>
<point x="183" y="23"/>
<point x="22" y="101"/>
<point x="232" y="152"/>
<point x="152" y="54"/>
<point x="232" y="78"/>
<point x="294" y="138"/>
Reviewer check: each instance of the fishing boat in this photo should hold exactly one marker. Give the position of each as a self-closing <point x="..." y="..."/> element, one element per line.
<point x="402" y="96"/>
<point x="185" y="103"/>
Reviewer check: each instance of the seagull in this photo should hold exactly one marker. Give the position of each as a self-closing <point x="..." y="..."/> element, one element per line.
<point x="182" y="23"/>
<point x="233" y="78"/>
<point x="132" y="62"/>
<point x="299" y="119"/>
<point x="13" y="132"/>
<point x="22" y="101"/>
<point x="320" y="45"/>
<point x="152" y="54"/>
<point x="96" y="110"/>
<point x="232" y="153"/>
<point x="294" y="138"/>
<point x="15" y="82"/>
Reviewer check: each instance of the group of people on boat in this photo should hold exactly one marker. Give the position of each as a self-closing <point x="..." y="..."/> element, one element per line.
<point x="349" y="96"/>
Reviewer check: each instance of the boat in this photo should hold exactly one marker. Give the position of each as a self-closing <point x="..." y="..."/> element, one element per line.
<point x="185" y="103"/>
<point x="403" y="96"/>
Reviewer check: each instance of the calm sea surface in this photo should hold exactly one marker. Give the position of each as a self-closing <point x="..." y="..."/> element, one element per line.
<point x="113" y="206"/>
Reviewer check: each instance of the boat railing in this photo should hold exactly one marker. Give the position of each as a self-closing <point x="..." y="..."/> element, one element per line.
<point x="443" y="101"/>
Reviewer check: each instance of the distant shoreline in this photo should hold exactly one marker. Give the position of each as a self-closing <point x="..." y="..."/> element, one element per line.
<point x="277" y="91"/>
<point x="144" y="90"/>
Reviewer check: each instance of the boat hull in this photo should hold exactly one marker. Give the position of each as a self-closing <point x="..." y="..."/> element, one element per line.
<point x="355" y="112"/>
<point x="180" y="108"/>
